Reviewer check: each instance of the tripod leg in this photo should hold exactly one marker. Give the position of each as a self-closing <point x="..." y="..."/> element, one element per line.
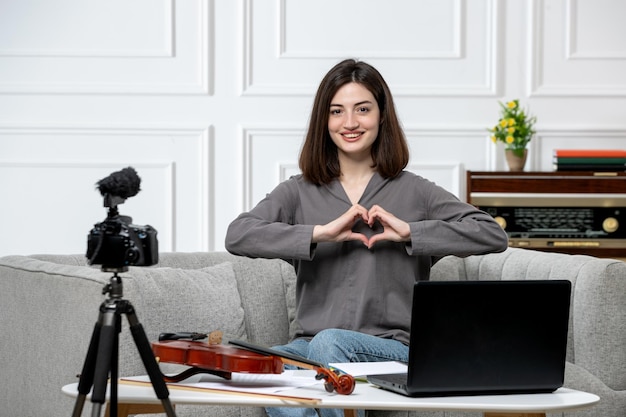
<point x="115" y="368"/>
<point x="103" y="364"/>
<point x="156" y="377"/>
<point x="86" y="376"/>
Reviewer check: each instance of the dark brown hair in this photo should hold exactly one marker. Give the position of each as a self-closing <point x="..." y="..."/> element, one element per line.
<point x="319" y="161"/>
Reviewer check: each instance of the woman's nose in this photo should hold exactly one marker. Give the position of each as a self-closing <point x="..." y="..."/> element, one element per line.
<point x="351" y="122"/>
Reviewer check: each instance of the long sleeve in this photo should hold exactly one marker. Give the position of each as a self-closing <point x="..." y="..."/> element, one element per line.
<point x="270" y="230"/>
<point x="452" y="227"/>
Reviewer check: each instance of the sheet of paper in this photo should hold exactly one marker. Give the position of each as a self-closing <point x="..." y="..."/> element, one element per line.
<point x="249" y="383"/>
<point x="360" y="369"/>
<point x="259" y="383"/>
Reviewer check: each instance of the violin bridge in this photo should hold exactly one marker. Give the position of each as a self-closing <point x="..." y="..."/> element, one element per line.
<point x="215" y="337"/>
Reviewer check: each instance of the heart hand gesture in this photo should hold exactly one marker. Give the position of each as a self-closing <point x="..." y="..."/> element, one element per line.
<point x="341" y="229"/>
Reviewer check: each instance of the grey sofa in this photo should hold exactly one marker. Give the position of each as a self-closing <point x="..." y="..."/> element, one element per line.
<point x="51" y="302"/>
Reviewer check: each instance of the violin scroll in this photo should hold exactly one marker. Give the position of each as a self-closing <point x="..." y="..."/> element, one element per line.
<point x="336" y="381"/>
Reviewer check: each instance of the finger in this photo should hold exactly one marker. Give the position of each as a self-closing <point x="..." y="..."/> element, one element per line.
<point x="378" y="238"/>
<point x="352" y="215"/>
<point x="360" y="237"/>
<point x="360" y="212"/>
<point x="376" y="212"/>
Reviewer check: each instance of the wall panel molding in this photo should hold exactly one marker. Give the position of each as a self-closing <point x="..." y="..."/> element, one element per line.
<point x="557" y="66"/>
<point x="455" y="51"/>
<point x="608" y="46"/>
<point x="55" y="179"/>
<point x="181" y="64"/>
<point x="167" y="159"/>
<point x="470" y="20"/>
<point x="96" y="39"/>
<point x="265" y="166"/>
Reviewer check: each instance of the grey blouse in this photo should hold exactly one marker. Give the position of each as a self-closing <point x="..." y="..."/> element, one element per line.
<point x="346" y="285"/>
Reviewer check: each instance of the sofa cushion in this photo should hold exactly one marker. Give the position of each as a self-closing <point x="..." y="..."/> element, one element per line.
<point x="188" y="300"/>
<point x="266" y="287"/>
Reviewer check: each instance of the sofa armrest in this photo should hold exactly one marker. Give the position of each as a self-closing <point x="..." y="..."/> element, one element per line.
<point x="599" y="321"/>
<point x="48" y="315"/>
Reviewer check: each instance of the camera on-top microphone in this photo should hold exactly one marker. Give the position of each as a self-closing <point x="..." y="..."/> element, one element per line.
<point x="116" y="243"/>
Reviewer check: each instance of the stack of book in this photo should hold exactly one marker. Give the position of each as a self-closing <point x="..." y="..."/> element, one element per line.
<point x="599" y="160"/>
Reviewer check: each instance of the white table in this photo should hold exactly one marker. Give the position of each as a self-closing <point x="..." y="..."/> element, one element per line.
<point x="134" y="399"/>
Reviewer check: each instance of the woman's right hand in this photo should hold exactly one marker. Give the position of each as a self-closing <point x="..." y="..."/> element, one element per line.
<point x="340" y="229"/>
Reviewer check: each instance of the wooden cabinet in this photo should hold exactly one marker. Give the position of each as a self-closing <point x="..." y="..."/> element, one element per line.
<point x="570" y="212"/>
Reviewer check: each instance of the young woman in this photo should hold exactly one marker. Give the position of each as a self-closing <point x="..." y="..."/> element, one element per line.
<point x="358" y="229"/>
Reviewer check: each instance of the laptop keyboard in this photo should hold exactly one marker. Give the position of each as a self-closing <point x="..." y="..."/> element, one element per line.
<point x="399" y="379"/>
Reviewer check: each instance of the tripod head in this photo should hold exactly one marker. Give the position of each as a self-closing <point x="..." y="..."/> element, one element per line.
<point x="114" y="288"/>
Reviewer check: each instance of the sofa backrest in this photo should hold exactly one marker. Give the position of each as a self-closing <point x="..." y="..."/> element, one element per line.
<point x="597" y="336"/>
<point x="266" y="287"/>
<point x="255" y="298"/>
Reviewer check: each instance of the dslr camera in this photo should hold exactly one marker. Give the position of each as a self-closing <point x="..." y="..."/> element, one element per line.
<point x="116" y="243"/>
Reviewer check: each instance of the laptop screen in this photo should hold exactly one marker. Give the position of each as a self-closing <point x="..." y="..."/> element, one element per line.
<point x="488" y="336"/>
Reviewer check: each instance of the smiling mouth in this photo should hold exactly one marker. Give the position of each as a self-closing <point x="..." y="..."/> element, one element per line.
<point x="352" y="136"/>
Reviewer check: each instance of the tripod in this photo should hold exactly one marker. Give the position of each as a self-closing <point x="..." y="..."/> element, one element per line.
<point x="103" y="352"/>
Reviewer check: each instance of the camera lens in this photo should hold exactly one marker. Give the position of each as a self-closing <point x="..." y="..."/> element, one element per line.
<point x="132" y="254"/>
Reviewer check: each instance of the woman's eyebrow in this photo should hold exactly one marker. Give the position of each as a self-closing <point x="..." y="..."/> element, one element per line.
<point x="360" y="103"/>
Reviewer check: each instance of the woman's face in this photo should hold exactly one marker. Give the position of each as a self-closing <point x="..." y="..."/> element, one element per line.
<point x="354" y="120"/>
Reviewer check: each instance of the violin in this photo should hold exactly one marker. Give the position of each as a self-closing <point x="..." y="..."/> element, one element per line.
<point x="222" y="360"/>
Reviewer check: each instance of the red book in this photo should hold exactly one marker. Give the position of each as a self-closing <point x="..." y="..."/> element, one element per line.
<point x="590" y="153"/>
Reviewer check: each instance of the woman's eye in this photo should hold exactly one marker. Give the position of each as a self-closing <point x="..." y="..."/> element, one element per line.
<point x="362" y="110"/>
<point x="335" y="112"/>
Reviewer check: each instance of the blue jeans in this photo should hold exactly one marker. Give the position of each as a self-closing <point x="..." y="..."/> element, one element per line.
<point x="335" y="345"/>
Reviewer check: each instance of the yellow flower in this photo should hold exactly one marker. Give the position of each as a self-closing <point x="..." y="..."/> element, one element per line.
<point x="514" y="127"/>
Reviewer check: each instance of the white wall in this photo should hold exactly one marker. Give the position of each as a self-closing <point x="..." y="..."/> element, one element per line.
<point x="209" y="99"/>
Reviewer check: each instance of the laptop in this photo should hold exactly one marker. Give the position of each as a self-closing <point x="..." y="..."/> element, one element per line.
<point x="484" y="337"/>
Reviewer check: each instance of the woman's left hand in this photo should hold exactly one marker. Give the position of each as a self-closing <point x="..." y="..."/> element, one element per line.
<point x="394" y="229"/>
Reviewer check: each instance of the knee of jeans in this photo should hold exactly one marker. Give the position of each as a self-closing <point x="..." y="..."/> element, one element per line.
<point x="328" y="346"/>
<point x="327" y="338"/>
